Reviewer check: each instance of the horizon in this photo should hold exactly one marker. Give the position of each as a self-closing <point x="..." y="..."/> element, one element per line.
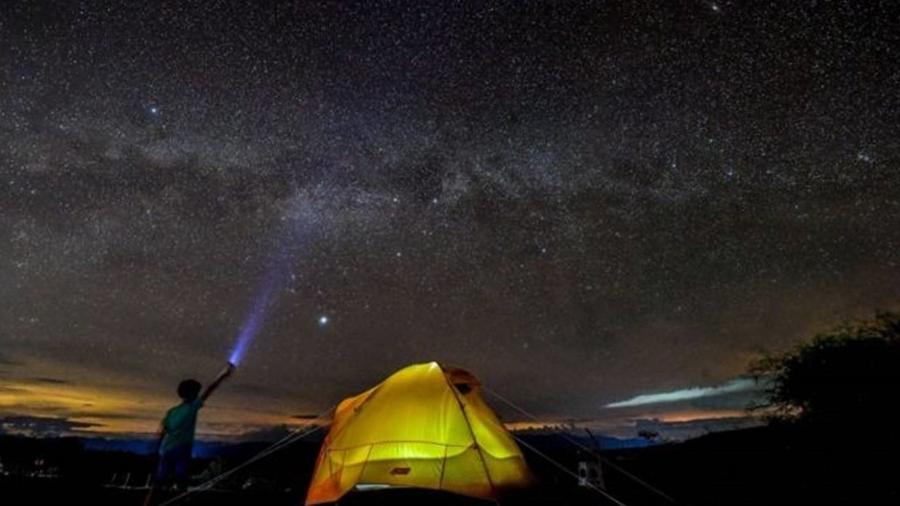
<point x="613" y="422"/>
<point x="669" y="429"/>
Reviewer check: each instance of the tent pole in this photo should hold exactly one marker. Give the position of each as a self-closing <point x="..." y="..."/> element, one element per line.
<point x="462" y="409"/>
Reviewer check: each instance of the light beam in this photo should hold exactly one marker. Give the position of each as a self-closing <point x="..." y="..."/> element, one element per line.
<point x="254" y="319"/>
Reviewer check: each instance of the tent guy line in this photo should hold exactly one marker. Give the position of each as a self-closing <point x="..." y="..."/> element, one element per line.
<point x="568" y="471"/>
<point x="281" y="444"/>
<point x="583" y="447"/>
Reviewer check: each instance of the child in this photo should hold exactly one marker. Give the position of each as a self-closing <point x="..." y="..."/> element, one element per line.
<point x="176" y="436"/>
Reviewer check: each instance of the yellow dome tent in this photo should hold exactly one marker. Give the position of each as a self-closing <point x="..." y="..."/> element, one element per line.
<point x="425" y="426"/>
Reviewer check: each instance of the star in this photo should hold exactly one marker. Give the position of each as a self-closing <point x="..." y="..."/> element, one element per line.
<point x="323" y="320"/>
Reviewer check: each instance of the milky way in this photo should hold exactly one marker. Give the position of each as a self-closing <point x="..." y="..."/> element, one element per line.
<point x="580" y="202"/>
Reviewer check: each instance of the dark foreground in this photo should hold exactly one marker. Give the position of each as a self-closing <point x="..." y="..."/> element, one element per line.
<point x="764" y="466"/>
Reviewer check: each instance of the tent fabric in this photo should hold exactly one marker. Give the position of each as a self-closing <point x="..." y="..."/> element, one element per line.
<point x="425" y="426"/>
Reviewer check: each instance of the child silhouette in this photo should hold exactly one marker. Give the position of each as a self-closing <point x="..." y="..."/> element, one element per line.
<point x="176" y="434"/>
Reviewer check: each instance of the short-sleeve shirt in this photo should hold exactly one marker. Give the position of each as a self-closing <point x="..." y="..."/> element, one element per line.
<point x="179" y="424"/>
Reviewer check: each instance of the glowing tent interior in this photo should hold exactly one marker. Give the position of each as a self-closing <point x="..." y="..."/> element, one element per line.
<point x="426" y="426"/>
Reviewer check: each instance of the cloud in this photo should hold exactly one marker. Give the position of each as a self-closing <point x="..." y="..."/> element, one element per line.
<point x="105" y="416"/>
<point x="306" y="416"/>
<point x="54" y="381"/>
<point x="11" y="390"/>
<point x="735" y="386"/>
<point x="276" y="433"/>
<point x="682" y="430"/>
<point x="6" y="360"/>
<point x="36" y="426"/>
<point x="237" y="432"/>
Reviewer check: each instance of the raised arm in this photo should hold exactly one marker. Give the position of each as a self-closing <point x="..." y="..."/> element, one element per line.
<point x="226" y="372"/>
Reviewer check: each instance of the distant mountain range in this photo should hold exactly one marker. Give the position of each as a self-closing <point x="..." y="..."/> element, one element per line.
<point x="210" y="449"/>
<point x="202" y="449"/>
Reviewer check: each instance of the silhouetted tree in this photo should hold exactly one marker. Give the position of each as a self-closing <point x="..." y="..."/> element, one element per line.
<point x="848" y="376"/>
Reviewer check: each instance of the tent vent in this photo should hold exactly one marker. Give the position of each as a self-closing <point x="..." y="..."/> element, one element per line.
<point x="463" y="388"/>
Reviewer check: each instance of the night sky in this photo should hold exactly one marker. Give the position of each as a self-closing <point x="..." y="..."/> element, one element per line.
<point x="579" y="202"/>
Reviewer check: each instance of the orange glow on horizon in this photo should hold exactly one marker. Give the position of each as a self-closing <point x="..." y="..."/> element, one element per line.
<point x="694" y="415"/>
<point x="110" y="411"/>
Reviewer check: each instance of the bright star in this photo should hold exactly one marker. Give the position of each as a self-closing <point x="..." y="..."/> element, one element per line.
<point x="323" y="320"/>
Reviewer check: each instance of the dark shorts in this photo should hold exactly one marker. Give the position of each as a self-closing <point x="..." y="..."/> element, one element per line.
<point x="173" y="465"/>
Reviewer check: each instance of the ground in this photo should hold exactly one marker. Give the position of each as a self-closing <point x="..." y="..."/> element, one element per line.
<point x="764" y="466"/>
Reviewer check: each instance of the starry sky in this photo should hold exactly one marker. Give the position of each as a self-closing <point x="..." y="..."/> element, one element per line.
<point x="605" y="210"/>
